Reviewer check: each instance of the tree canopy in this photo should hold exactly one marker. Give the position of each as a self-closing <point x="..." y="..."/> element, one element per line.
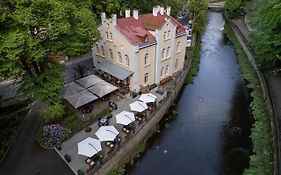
<point x="144" y="6"/>
<point x="33" y="33"/>
<point x="266" y="40"/>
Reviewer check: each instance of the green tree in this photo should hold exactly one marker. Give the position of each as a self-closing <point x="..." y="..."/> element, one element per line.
<point x="32" y="33"/>
<point x="198" y="9"/>
<point x="266" y="40"/>
<point x="233" y="7"/>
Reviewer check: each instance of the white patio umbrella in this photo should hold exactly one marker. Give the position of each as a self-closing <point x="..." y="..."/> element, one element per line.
<point x="107" y="133"/>
<point x="125" y="118"/>
<point x="89" y="147"/>
<point x="138" y="106"/>
<point x="148" y="98"/>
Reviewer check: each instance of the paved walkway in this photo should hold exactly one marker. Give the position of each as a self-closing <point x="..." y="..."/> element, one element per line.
<point x="26" y="157"/>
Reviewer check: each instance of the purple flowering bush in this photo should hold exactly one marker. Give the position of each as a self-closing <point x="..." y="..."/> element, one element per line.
<point x="51" y="135"/>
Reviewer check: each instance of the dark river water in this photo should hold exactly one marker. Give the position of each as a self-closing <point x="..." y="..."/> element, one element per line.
<point x="210" y="136"/>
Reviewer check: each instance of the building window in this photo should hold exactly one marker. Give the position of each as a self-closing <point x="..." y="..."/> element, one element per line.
<point x="110" y="36"/>
<point x="169" y="36"/>
<point x="163" y="54"/>
<point x="167" y="69"/>
<point x="97" y="49"/>
<point x="146" y="62"/>
<point x="168" y="52"/>
<point x="145" y="77"/>
<point x="178" y="46"/>
<point x="107" y="37"/>
<point x="110" y="54"/>
<point x="119" y="57"/>
<point x="102" y="51"/>
<point x="127" y="60"/>
<point x="162" y="71"/>
<point x="176" y="63"/>
<point x="165" y="35"/>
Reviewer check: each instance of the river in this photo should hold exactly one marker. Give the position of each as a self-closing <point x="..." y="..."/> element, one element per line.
<point x="210" y="135"/>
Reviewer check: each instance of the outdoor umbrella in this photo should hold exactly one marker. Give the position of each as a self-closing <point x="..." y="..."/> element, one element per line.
<point x="148" y="98"/>
<point x="79" y="99"/>
<point x="72" y="89"/>
<point x="125" y="118"/>
<point x="89" y="147"/>
<point x="107" y="133"/>
<point x="138" y="106"/>
<point x="102" y="89"/>
<point x="89" y="81"/>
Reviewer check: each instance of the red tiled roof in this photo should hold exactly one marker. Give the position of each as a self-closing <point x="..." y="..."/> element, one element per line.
<point x="137" y="30"/>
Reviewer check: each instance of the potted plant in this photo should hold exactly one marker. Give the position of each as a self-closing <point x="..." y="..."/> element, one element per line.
<point x="88" y="129"/>
<point x="67" y="158"/>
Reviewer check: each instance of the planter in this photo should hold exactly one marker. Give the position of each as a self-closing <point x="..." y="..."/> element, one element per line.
<point x="88" y="129"/>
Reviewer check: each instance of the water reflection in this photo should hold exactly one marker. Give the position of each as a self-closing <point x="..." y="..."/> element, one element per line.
<point x="212" y="128"/>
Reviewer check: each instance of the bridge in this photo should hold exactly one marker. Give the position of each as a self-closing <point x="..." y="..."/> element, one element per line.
<point x="216" y="6"/>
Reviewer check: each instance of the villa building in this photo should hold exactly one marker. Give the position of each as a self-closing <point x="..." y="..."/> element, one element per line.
<point x="140" y="50"/>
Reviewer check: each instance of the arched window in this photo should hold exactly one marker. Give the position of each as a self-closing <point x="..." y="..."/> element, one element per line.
<point x="127" y="60"/>
<point x="163" y="54"/>
<point x="102" y="51"/>
<point x="110" y="36"/>
<point x="145" y="77"/>
<point x="97" y="49"/>
<point x="169" y="36"/>
<point x="110" y="54"/>
<point x="165" y="35"/>
<point x="146" y="62"/>
<point x="167" y="69"/>
<point x="119" y="57"/>
<point x="162" y="71"/>
<point x="168" y="52"/>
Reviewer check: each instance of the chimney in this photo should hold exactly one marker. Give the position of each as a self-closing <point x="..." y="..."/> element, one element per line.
<point x="114" y="19"/>
<point x="102" y="16"/>
<point x="162" y="10"/>
<point x="136" y="14"/>
<point x="127" y="13"/>
<point x="168" y="10"/>
<point x="155" y="11"/>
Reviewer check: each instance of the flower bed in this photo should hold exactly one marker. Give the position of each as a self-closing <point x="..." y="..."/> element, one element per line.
<point x="51" y="135"/>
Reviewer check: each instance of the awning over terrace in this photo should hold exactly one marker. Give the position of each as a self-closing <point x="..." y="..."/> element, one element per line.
<point x="102" y="89"/>
<point x="89" y="81"/>
<point x="114" y="70"/>
<point x="78" y="96"/>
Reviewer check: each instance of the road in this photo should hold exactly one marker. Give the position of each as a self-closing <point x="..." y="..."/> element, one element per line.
<point x="26" y="157"/>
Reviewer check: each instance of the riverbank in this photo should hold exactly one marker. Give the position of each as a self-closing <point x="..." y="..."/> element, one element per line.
<point x="262" y="161"/>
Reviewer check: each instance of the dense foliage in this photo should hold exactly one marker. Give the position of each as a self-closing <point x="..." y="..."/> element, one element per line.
<point x="33" y="33"/>
<point x="266" y="41"/>
<point x="233" y="7"/>
<point x="198" y="9"/>
<point x="261" y="161"/>
<point x="119" y="6"/>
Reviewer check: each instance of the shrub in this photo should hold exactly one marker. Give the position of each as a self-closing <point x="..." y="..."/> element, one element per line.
<point x="51" y="135"/>
<point x="53" y="112"/>
<point x="233" y="7"/>
<point x="80" y="172"/>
